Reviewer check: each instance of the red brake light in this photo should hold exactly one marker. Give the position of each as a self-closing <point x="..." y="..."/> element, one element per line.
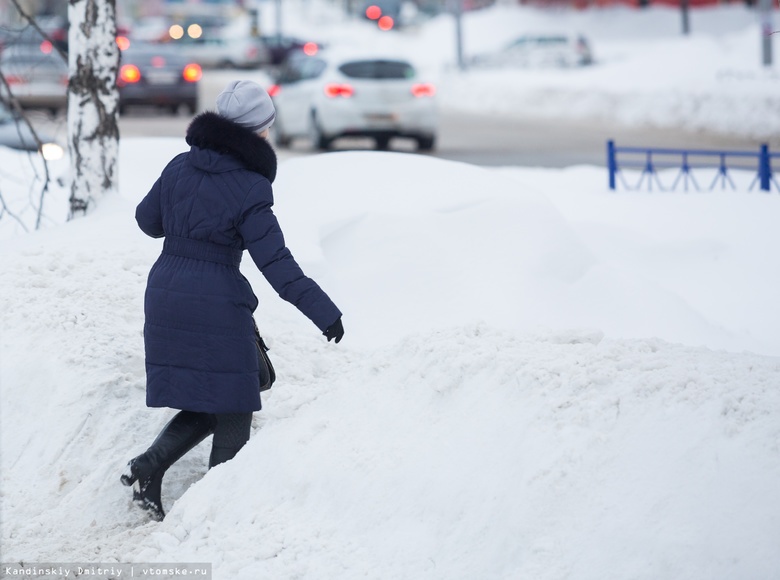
<point x="129" y="73"/>
<point x="386" y="23"/>
<point x="192" y="73"/>
<point x="14" y="79"/>
<point x="310" y="48"/>
<point x="423" y="90"/>
<point x="335" y="90"/>
<point x="123" y="42"/>
<point x="46" y="47"/>
<point x="373" y="12"/>
<point x="273" y="90"/>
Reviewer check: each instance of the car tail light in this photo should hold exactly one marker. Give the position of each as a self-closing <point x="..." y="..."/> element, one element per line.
<point x="192" y="73"/>
<point x="123" y="42"/>
<point x="386" y="23"/>
<point x="129" y="74"/>
<point x="15" y="79"/>
<point x="339" y="90"/>
<point x="274" y="90"/>
<point x="423" y="90"/>
<point x="310" y="48"/>
<point x="373" y="12"/>
<point x="46" y="47"/>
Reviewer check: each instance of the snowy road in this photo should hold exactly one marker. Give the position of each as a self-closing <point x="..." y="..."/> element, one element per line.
<point x="492" y="140"/>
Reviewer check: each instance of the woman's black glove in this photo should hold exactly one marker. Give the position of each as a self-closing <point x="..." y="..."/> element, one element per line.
<point x="335" y="330"/>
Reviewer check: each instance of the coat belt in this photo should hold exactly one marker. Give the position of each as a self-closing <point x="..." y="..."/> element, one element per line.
<point x="201" y="250"/>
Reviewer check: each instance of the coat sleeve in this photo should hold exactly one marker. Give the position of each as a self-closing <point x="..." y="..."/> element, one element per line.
<point x="264" y="240"/>
<point x="148" y="213"/>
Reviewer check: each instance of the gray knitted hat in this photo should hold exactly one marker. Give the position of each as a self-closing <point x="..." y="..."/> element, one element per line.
<point x="247" y="103"/>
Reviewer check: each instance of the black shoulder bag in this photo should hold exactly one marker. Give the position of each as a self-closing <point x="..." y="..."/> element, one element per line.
<point x="267" y="373"/>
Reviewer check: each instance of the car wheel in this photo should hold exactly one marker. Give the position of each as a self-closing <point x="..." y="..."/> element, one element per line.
<point x="279" y="137"/>
<point x="192" y="107"/>
<point x="318" y="139"/>
<point x="282" y="140"/>
<point x="382" y="143"/>
<point x="426" y="143"/>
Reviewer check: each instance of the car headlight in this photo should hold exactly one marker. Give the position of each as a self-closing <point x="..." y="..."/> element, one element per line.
<point x="52" y="152"/>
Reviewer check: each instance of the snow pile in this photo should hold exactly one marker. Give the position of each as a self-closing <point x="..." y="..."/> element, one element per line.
<point x="506" y="402"/>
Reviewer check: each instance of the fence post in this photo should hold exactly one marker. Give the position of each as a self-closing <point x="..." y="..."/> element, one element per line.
<point x="764" y="171"/>
<point x="611" y="163"/>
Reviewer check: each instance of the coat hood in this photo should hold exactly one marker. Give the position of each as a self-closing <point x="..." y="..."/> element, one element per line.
<point x="216" y="133"/>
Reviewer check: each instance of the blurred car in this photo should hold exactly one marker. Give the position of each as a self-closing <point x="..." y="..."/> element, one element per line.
<point x="328" y="96"/>
<point x="54" y="28"/>
<point x="155" y="74"/>
<point x="15" y="133"/>
<point x="280" y="47"/>
<point x="38" y="78"/>
<point x="539" y="50"/>
<point x="223" y="50"/>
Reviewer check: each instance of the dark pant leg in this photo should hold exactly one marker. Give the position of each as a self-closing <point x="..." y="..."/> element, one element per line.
<point x="230" y="434"/>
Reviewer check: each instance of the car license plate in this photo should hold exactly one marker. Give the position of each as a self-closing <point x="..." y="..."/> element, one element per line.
<point x="381" y="118"/>
<point x="161" y="78"/>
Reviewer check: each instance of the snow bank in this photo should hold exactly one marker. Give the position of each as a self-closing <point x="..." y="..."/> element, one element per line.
<point x="461" y="429"/>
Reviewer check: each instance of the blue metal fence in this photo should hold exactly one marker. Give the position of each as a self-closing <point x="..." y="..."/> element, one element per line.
<point x="650" y="160"/>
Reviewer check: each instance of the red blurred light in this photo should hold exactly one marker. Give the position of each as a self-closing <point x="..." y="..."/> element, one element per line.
<point x="46" y="47"/>
<point x="423" y="90"/>
<point x="335" y="90"/>
<point x="14" y="79"/>
<point x="158" y="62"/>
<point x="310" y="48"/>
<point x="192" y="73"/>
<point x="373" y="12"/>
<point x="386" y="23"/>
<point x="273" y="90"/>
<point x="129" y="73"/>
<point x="123" y="42"/>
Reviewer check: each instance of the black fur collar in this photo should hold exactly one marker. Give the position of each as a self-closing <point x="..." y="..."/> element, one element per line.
<point x="212" y="131"/>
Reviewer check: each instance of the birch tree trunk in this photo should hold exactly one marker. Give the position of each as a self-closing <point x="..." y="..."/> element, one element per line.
<point x="93" y="133"/>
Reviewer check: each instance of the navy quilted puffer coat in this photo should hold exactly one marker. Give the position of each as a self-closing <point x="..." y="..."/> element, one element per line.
<point x="211" y="204"/>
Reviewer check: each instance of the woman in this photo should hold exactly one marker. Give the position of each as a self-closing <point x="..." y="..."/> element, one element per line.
<point x="210" y="204"/>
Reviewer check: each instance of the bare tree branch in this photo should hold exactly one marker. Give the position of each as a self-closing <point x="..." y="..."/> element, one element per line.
<point x="14" y="103"/>
<point x="32" y="22"/>
<point x="5" y="210"/>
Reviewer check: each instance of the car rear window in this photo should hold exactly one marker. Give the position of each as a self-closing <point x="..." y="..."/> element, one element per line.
<point x="378" y="69"/>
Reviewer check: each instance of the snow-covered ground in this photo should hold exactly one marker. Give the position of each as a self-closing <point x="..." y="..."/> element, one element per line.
<point x="540" y="378"/>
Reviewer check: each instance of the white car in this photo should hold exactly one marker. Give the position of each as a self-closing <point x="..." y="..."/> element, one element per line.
<point x="38" y="79"/>
<point x="327" y="96"/>
<point x="224" y="51"/>
<point x="539" y="50"/>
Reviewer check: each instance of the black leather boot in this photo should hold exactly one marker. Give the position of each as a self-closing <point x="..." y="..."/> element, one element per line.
<point x="145" y="472"/>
